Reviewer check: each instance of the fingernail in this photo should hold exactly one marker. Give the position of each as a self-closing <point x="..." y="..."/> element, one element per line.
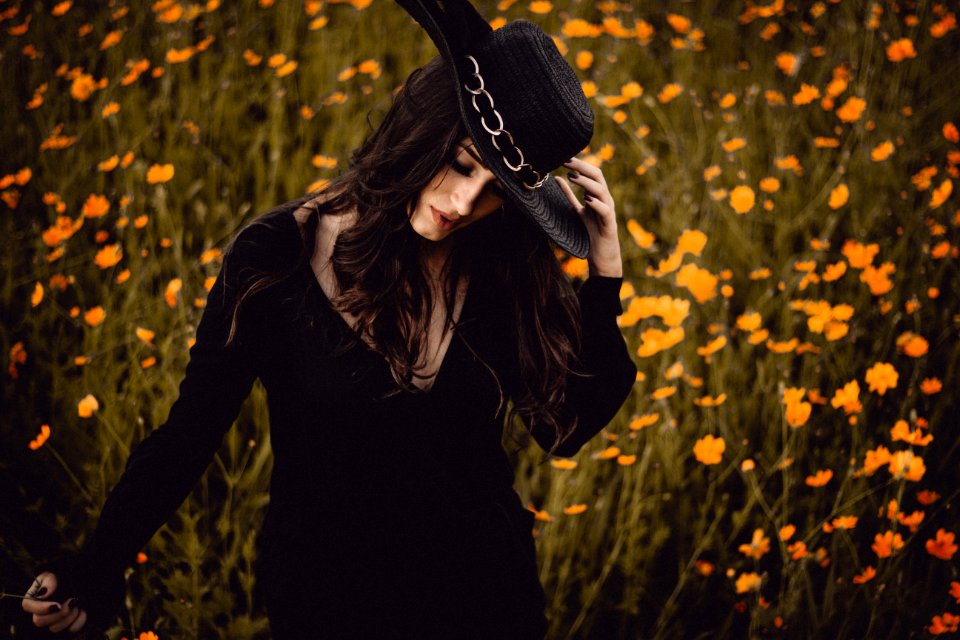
<point x="53" y="608"/>
<point x="588" y="198"/>
<point x="41" y="591"/>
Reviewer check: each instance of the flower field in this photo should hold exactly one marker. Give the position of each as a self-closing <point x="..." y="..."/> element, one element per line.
<point x="788" y="465"/>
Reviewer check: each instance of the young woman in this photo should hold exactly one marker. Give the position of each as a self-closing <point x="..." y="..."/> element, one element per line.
<point x="392" y="319"/>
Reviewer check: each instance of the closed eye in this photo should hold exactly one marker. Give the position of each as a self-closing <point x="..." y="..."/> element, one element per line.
<point x="464" y="170"/>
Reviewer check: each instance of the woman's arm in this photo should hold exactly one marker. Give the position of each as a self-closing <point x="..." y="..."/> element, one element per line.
<point x="162" y="470"/>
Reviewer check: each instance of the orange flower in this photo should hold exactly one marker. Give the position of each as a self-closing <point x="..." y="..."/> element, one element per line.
<point x="563" y="463"/>
<point x="94" y="316"/>
<point x="798" y="413"/>
<point x="83" y="87"/>
<point x="848" y="397"/>
<point x="806" y="95"/>
<point x="42" y="437"/>
<point x="901" y="431"/>
<point x="709" y="450"/>
<point x="656" y="340"/>
<point x="742" y="199"/>
<point x="904" y="464"/>
<point x="669" y="92"/>
<point x="748" y="582"/>
<point x="886" y="544"/>
<point x="943" y="545"/>
<point x="900" y="50"/>
<point x="877" y="278"/>
<point x="95" y="206"/>
<point x="575" y="509"/>
<point x="87" y="406"/>
<point x="875" y="458"/>
<point x="868" y="574"/>
<point x="913" y="345"/>
<point x="882" y="376"/>
<point x="821" y="478"/>
<point x="108" y="256"/>
<point x="851" y="110"/>
<point x="644" y="421"/>
<point x="158" y="173"/>
<point x="947" y="623"/>
<point x="797" y="550"/>
<point x="844" y="522"/>
<point x="787" y="63"/>
<point x="701" y="283"/>
<point x="759" y="545"/>
<point x="170" y="294"/>
<point x="859" y="255"/>
<point x="838" y="196"/>
<point x="929" y="386"/>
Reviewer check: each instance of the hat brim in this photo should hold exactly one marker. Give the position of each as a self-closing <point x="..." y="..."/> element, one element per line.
<point x="546" y="205"/>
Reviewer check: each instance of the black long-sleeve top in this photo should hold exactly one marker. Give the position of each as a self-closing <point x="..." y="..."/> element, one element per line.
<point x="365" y="492"/>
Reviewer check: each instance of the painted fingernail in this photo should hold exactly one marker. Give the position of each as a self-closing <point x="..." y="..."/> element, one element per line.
<point x="53" y="608"/>
<point x="41" y="591"/>
<point x="573" y="175"/>
<point x="588" y="198"/>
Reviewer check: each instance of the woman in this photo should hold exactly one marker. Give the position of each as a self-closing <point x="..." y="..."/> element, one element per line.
<point x="390" y="319"/>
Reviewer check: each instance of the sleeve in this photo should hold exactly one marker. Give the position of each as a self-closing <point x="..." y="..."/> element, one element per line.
<point x="164" y="467"/>
<point x="595" y="399"/>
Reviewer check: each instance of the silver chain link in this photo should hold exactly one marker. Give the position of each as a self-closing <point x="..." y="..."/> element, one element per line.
<point x="495" y="133"/>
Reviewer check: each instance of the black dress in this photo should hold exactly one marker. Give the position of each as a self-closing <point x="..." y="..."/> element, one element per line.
<point x="390" y="517"/>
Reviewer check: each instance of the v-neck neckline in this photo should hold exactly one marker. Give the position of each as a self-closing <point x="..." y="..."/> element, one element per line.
<point x="345" y="326"/>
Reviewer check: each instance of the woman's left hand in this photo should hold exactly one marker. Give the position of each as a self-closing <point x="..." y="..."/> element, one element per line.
<point x="598" y="214"/>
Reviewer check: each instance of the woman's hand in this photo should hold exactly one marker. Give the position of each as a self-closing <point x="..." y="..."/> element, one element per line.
<point x="54" y="615"/>
<point x="599" y="215"/>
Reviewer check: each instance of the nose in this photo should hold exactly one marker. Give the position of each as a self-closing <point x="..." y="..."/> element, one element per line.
<point x="466" y="194"/>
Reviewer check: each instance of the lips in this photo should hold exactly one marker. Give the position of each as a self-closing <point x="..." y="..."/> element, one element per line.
<point x="443" y="214"/>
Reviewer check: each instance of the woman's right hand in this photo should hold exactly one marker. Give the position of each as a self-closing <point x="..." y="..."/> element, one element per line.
<point x="54" y="615"/>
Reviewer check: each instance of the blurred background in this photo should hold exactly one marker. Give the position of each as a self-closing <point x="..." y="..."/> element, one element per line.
<point x="787" y="465"/>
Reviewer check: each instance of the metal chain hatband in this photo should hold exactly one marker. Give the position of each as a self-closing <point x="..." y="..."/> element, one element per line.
<point x="495" y="133"/>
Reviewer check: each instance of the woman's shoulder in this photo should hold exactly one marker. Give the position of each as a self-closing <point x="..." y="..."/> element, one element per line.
<point x="271" y="240"/>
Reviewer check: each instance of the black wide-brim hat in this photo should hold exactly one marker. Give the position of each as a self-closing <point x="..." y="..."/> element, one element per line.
<point x="522" y="105"/>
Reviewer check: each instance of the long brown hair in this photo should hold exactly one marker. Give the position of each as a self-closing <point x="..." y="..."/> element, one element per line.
<point x="377" y="260"/>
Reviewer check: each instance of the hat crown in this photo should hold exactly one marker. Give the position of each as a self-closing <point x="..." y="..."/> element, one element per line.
<point x="534" y="90"/>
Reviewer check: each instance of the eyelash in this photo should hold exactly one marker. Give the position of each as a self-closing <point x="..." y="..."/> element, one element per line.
<point x="463" y="170"/>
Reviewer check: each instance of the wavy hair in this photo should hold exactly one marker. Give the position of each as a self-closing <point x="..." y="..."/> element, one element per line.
<point x="377" y="264"/>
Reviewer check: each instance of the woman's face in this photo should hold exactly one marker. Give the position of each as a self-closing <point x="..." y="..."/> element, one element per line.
<point x="456" y="198"/>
